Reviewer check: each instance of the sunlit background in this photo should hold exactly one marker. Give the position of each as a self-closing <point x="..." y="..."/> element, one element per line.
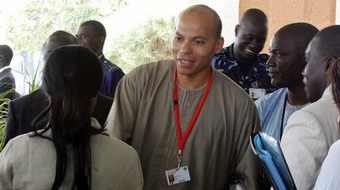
<point x="138" y="31"/>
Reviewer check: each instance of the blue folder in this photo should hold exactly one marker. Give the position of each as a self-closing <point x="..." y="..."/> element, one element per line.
<point x="269" y="152"/>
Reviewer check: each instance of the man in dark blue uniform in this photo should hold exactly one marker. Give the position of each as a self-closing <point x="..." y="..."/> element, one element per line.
<point x="241" y="61"/>
<point x="92" y="34"/>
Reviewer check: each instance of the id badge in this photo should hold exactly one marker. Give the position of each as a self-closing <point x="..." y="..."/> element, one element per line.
<point x="177" y="175"/>
<point x="256" y="93"/>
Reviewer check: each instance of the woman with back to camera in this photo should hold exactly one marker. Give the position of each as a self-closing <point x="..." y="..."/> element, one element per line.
<point x="72" y="151"/>
<point x="328" y="178"/>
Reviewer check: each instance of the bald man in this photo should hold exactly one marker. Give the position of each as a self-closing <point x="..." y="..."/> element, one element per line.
<point x="23" y="110"/>
<point x="286" y="63"/>
<point x="241" y="60"/>
<point x="189" y="124"/>
<point x="312" y="130"/>
<point x="57" y="39"/>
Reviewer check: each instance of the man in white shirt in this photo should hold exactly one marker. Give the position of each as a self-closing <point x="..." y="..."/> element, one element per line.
<point x="312" y="130"/>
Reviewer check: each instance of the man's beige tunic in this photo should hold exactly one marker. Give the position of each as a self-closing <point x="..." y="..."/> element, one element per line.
<point x="217" y="150"/>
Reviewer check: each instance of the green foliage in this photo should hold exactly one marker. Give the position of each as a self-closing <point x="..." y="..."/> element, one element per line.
<point x="146" y="43"/>
<point x="3" y="114"/>
<point x="29" y="29"/>
<point x="35" y="82"/>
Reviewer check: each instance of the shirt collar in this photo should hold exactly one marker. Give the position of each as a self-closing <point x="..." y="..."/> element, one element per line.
<point x="327" y="92"/>
<point x="94" y="123"/>
<point x="4" y="68"/>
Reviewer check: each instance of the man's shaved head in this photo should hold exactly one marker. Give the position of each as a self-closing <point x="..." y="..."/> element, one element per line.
<point x="57" y="39"/>
<point x="301" y="39"/>
<point x="63" y="37"/>
<point x="287" y="55"/>
<point x="196" y="39"/>
<point x="320" y="53"/>
<point x="199" y="10"/>
<point x="251" y="34"/>
<point x="255" y="16"/>
<point x="329" y="41"/>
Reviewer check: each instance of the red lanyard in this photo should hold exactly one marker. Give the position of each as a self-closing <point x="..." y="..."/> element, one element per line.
<point x="181" y="139"/>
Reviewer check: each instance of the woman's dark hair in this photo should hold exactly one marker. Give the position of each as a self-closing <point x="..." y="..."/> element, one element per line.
<point x="334" y="80"/>
<point x="72" y="77"/>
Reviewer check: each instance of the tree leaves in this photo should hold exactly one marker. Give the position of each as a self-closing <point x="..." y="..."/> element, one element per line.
<point x="35" y="22"/>
<point x="146" y="43"/>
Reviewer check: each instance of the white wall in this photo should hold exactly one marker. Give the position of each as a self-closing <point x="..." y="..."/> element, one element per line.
<point x="228" y="11"/>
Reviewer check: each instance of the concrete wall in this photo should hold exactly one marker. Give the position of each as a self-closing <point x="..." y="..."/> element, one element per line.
<point x="337" y="14"/>
<point x="320" y="13"/>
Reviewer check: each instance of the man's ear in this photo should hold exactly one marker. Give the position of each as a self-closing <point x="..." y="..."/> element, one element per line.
<point x="236" y="29"/>
<point x="219" y="45"/>
<point x="1" y="58"/>
<point x="100" y="42"/>
<point x="330" y="61"/>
